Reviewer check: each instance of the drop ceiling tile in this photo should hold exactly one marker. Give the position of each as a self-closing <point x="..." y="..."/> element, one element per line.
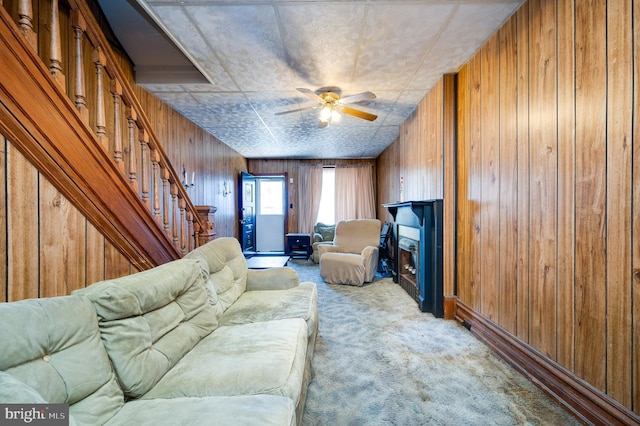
<point x="190" y="38"/>
<point x="404" y="106"/>
<point x="315" y="56"/>
<point x="469" y="28"/>
<point x="247" y="41"/>
<point x="395" y="40"/>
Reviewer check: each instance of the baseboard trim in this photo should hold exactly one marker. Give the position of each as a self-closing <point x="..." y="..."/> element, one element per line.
<point x="587" y="403"/>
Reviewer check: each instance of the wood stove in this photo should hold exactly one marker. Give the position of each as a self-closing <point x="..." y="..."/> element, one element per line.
<point x="417" y="262"/>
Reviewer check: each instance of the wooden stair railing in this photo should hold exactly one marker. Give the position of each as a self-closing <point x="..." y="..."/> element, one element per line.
<point x="94" y="141"/>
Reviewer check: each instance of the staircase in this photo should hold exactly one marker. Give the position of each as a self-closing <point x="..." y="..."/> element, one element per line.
<point x="69" y="108"/>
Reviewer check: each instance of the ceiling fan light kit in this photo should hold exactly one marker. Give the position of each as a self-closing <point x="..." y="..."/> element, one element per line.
<point x="331" y="106"/>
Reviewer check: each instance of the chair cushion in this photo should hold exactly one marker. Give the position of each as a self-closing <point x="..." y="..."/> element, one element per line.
<point x="150" y="320"/>
<point x="325" y="231"/>
<point x="354" y="235"/>
<point x="59" y="356"/>
<point x="342" y="268"/>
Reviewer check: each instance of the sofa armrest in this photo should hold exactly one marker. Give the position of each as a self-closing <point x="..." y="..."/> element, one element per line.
<point x="272" y="279"/>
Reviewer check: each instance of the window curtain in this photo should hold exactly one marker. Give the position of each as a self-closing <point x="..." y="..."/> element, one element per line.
<point x="309" y="192"/>
<point x="354" y="193"/>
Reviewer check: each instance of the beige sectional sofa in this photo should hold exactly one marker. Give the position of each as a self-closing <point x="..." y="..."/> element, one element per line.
<point x="201" y="340"/>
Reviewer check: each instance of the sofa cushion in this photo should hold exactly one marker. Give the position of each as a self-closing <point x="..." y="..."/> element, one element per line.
<point x="226" y="266"/>
<point x="60" y="356"/>
<point x="150" y="320"/>
<point x="267" y="305"/>
<point x="13" y="391"/>
<point x="248" y="359"/>
<point x="263" y="410"/>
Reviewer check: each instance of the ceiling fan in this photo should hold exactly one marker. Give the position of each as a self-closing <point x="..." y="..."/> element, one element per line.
<point x="332" y="105"/>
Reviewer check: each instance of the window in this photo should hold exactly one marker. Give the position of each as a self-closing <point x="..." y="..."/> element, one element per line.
<point x="271" y="193"/>
<point x="327" y="213"/>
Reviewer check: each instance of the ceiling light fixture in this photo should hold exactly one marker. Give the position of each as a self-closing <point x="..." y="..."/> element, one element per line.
<point x="330" y="112"/>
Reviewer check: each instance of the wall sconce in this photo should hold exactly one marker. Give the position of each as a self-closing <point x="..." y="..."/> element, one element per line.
<point x="185" y="182"/>
<point x="226" y="188"/>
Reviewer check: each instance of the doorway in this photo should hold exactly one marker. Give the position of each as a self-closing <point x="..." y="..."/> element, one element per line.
<point x="263" y="212"/>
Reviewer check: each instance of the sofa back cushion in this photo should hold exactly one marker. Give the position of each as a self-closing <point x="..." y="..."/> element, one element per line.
<point x="150" y="320"/>
<point x="352" y="236"/>
<point x="226" y="266"/>
<point x="53" y="346"/>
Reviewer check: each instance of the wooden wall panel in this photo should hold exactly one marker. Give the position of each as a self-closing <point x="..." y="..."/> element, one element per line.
<point x="464" y="226"/>
<point x="566" y="183"/>
<point x="507" y="177"/>
<point x="23" y="235"/>
<point x="543" y="163"/>
<point x="591" y="185"/>
<point x="618" y="201"/>
<point x="94" y="254"/>
<point x="635" y="217"/>
<point x="522" y="273"/>
<point x="474" y="176"/>
<point x="449" y="158"/>
<point x="489" y="171"/>
<point x="62" y="243"/>
<point x="3" y="218"/>
<point x="388" y="166"/>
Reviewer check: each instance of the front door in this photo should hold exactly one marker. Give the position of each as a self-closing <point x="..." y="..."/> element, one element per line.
<point x="271" y="209"/>
<point x="247" y="206"/>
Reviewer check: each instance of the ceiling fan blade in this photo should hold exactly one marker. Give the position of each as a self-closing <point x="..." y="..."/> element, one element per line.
<point x="358" y="113"/>
<point x="311" y="94"/>
<point x="296" y="110"/>
<point x="364" y="96"/>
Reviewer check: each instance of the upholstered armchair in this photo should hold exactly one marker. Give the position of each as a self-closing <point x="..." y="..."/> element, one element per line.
<point x="353" y="257"/>
<point x="322" y="235"/>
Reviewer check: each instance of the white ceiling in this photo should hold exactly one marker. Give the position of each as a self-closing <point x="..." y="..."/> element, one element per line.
<point x="255" y="53"/>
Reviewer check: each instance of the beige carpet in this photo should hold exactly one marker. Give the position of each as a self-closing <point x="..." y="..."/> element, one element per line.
<point x="380" y="361"/>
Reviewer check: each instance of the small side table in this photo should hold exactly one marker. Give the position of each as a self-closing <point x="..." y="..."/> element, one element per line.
<point x="298" y="245"/>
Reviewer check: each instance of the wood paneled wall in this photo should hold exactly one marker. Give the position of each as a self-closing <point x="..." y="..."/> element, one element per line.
<point x="291" y="167"/>
<point x="413" y="165"/>
<point x="549" y="189"/>
<point x="212" y="161"/>
<point x="49" y="248"/>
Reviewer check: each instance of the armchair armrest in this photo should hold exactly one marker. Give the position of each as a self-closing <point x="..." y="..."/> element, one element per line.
<point x="272" y="279"/>
<point x="327" y="248"/>
<point x="370" y="259"/>
<point x="317" y="238"/>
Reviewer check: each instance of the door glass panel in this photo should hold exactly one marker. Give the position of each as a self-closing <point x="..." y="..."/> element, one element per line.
<point x="271" y="197"/>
